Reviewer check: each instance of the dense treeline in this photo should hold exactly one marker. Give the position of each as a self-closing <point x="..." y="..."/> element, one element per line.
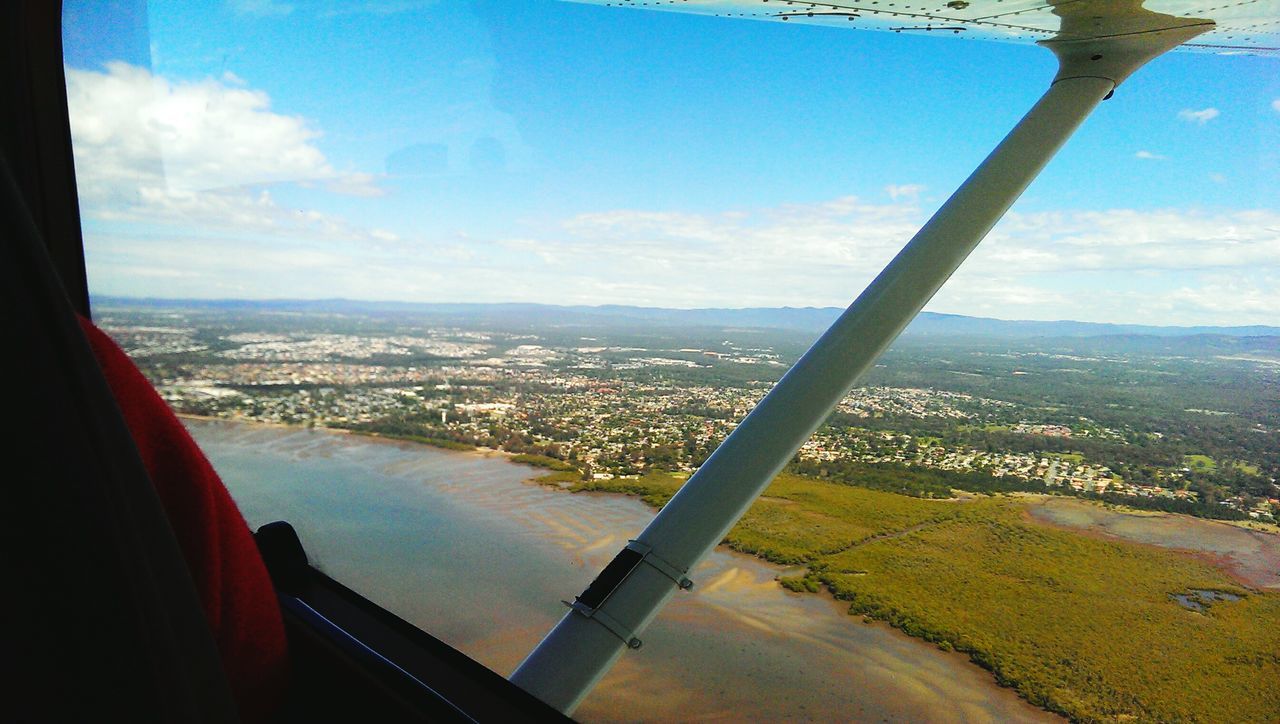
<point x="933" y="483"/>
<point x="914" y="481"/>
<point x="1171" y="505"/>
<point x="1228" y="410"/>
<point x="1136" y="451"/>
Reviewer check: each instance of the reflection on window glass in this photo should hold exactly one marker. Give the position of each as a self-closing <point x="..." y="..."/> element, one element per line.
<point x="464" y="290"/>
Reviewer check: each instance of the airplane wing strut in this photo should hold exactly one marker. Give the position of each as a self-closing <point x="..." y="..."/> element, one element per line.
<point x="610" y="615"/>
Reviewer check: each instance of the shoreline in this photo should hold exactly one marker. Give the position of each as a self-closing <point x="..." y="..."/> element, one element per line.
<point x="481" y="451"/>
<point x="1254" y="526"/>
<point x="545" y="478"/>
<point x="843" y="615"/>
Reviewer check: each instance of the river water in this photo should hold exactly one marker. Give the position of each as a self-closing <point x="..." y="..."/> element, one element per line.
<point x="460" y="545"/>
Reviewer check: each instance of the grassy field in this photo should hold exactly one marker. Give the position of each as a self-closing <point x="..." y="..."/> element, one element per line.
<point x="422" y="440"/>
<point x="1200" y="463"/>
<point x="1246" y="468"/>
<point x="1078" y="625"/>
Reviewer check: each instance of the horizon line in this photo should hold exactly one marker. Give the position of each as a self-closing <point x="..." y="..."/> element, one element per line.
<point x="349" y="300"/>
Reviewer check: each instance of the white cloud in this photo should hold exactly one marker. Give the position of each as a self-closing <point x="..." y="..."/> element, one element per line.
<point x="1149" y="156"/>
<point x="1109" y="265"/>
<point x="235" y="212"/>
<point x="1124" y="239"/>
<point x="844" y="233"/>
<point x="1201" y="117"/>
<point x="911" y="192"/>
<point x="1275" y="105"/>
<point x="847" y="234"/>
<point x="1229" y="294"/>
<point x="1217" y="299"/>
<point x="145" y="145"/>
<point x="982" y="294"/>
<point x="355" y="184"/>
<point x="1167" y="266"/>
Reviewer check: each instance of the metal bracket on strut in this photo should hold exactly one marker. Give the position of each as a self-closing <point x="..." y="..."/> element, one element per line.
<point x="591" y="601"/>
<point x="609" y="622"/>
<point x="653" y="559"/>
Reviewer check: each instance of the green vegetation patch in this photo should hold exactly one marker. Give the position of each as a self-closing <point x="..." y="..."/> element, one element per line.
<point x="1081" y="626"/>
<point x="439" y="442"/>
<point x="799" y="519"/>
<point x="565" y="479"/>
<point x="1077" y="625"/>
<point x="655" y="487"/>
<point x="1200" y="463"/>
<point x="1247" y="468"/>
<point x="543" y="461"/>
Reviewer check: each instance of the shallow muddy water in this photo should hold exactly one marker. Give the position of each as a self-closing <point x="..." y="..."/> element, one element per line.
<point x="460" y="545"/>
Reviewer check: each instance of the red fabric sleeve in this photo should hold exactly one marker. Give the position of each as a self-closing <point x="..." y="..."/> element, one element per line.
<point x="231" y="579"/>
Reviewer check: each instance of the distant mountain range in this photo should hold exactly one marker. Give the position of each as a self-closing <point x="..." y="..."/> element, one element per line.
<point x="791" y="318"/>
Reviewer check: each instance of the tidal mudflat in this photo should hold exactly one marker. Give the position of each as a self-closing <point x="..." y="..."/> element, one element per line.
<point x="461" y="545"/>
<point x="1252" y="556"/>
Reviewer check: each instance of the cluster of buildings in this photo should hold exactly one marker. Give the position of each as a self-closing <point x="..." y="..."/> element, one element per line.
<point x="869" y="446"/>
<point x="918" y="403"/>
<point x="522" y="394"/>
<point x="335" y="347"/>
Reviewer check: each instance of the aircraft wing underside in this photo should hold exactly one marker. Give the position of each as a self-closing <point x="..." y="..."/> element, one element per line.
<point x="1242" y="26"/>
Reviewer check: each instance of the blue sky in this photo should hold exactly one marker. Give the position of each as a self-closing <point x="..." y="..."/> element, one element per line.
<point x="554" y="152"/>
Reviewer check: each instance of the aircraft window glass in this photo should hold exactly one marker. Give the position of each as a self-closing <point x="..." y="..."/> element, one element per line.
<point x="391" y="260"/>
